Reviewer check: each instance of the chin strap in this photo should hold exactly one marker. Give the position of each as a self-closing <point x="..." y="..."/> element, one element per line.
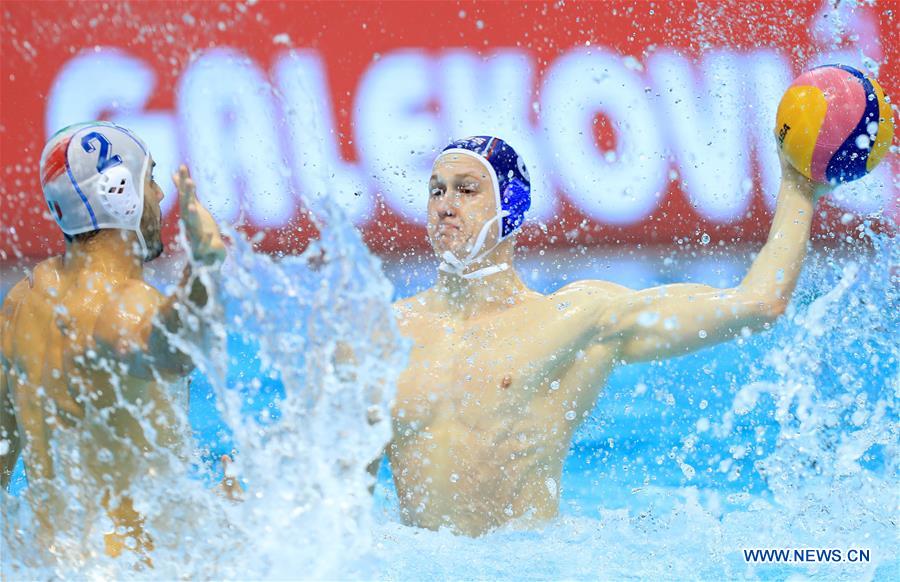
<point x="452" y="264"/>
<point x="144" y="251"/>
<point x="479" y="274"/>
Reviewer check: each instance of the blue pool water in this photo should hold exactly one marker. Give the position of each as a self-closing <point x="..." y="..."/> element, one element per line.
<point x="786" y="439"/>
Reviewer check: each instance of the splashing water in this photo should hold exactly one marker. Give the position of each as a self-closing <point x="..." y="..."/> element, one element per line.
<point x="320" y="326"/>
<point x="808" y="435"/>
<point x="337" y="357"/>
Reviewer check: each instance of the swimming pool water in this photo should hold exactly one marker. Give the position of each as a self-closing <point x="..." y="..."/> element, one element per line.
<point x="684" y="463"/>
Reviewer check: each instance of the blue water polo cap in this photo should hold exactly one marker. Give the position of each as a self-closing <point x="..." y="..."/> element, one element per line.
<point x="510" y="176"/>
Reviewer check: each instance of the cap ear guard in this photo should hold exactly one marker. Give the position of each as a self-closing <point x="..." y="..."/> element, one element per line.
<point x="516" y="200"/>
<point x="117" y="194"/>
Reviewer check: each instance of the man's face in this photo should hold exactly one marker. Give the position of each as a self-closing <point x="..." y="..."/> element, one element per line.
<point x="151" y="219"/>
<point x="460" y="200"/>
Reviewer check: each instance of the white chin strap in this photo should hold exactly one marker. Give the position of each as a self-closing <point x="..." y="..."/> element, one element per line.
<point x="145" y="253"/>
<point x="456" y="266"/>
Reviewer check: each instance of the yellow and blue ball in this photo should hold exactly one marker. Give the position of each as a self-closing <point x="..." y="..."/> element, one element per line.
<point x="834" y="124"/>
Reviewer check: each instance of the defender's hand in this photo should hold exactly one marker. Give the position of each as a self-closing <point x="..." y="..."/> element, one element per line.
<point x="202" y="232"/>
<point x="229" y="487"/>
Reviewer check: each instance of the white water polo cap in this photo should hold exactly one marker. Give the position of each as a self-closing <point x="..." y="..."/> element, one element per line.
<point x="92" y="175"/>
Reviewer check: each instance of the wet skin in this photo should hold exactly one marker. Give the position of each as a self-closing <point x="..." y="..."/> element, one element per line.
<point x="500" y="376"/>
<point x="86" y="365"/>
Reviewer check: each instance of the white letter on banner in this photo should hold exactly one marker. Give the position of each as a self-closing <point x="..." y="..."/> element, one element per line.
<point x="617" y="189"/>
<point x="396" y="133"/>
<point x="706" y="127"/>
<point x="226" y="110"/>
<point x="771" y="75"/>
<point x="108" y="81"/>
<point x="315" y="155"/>
<point x="493" y="96"/>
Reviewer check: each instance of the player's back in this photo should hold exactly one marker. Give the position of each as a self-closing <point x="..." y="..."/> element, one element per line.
<point x="71" y="395"/>
<point x="47" y="323"/>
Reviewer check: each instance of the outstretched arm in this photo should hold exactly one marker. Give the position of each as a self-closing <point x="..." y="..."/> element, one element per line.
<point x="676" y="319"/>
<point x="138" y="323"/>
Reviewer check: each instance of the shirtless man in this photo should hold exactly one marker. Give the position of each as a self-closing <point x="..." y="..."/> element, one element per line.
<point x="500" y="376"/>
<point x="88" y="355"/>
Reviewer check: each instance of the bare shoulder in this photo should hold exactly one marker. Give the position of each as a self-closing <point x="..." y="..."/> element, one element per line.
<point x="39" y="280"/>
<point x="136" y="287"/>
<point x="35" y="285"/>
<point x="47" y="271"/>
<point x="591" y="290"/>
<point x="132" y="298"/>
<point x="126" y="311"/>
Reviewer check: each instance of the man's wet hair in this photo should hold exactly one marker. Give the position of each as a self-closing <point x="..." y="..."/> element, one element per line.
<point x="83" y="237"/>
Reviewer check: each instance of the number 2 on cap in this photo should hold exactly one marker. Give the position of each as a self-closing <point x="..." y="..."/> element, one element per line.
<point x="105" y="161"/>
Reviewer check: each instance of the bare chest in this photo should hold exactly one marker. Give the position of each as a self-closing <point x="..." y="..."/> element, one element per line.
<point x="490" y="376"/>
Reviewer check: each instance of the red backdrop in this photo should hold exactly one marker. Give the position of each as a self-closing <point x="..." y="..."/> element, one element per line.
<point x="355" y="42"/>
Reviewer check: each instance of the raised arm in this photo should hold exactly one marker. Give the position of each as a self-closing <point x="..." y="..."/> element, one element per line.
<point x="137" y="325"/>
<point x="673" y="320"/>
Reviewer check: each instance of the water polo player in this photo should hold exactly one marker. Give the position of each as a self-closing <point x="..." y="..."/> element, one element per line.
<point x="500" y="376"/>
<point x="88" y="349"/>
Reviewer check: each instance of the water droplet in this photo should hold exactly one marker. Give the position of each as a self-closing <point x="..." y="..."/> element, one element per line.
<point x="454" y="477"/>
<point x="570" y="415"/>
<point x="551" y="486"/>
<point x="647" y="318"/>
<point x="554" y="385"/>
<point x="704" y="240"/>
<point x="862" y="141"/>
<point x="702" y="333"/>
